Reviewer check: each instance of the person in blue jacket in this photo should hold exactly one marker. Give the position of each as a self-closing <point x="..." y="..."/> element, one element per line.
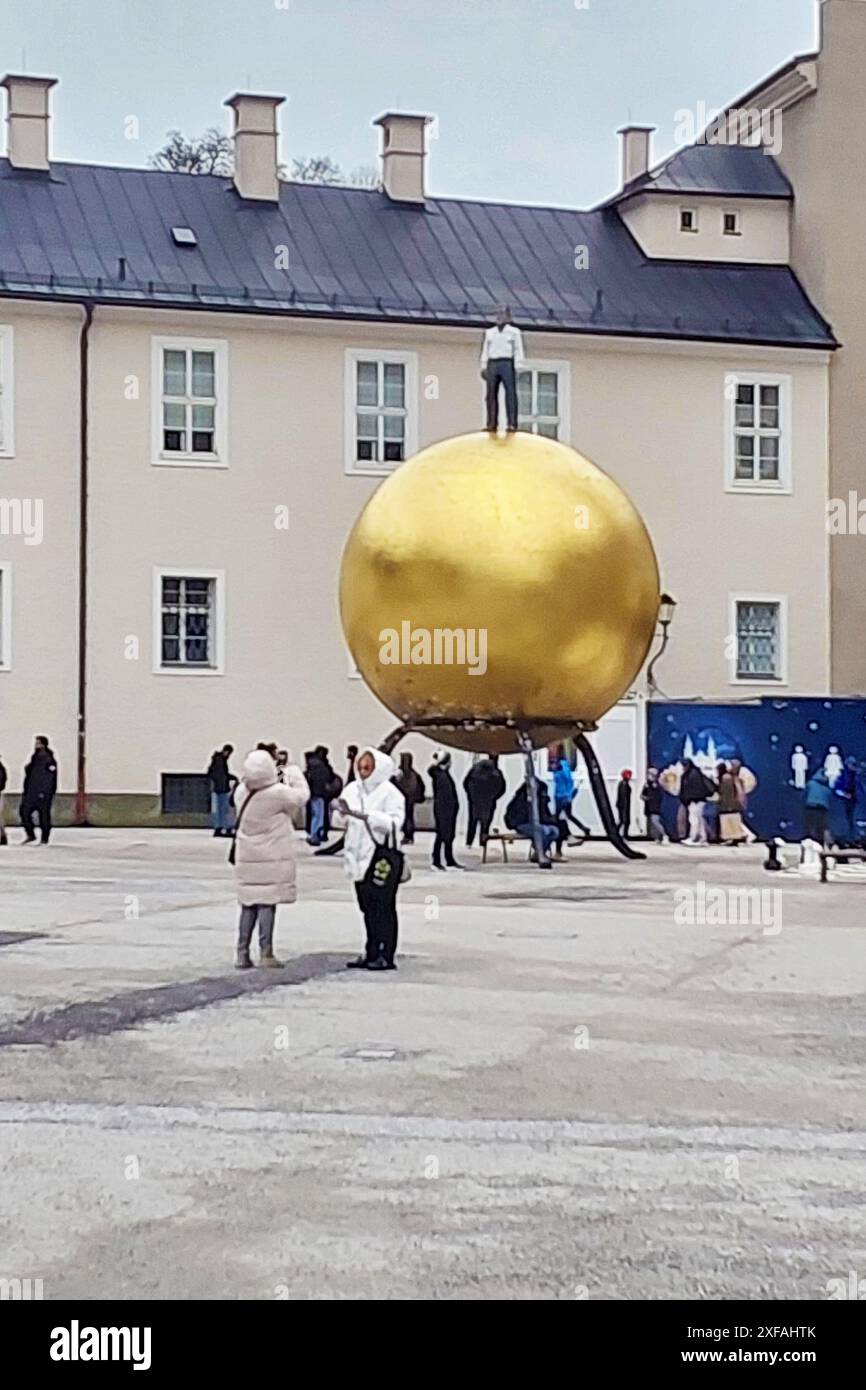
<point x="817" y="806"/>
<point x="563" y="796"/>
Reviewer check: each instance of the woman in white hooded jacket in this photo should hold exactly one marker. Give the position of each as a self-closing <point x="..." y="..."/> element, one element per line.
<point x="264" y="849"/>
<point x="374" y="810"/>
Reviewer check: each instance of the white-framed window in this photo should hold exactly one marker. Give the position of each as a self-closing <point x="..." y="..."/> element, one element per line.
<point x="759" y="629"/>
<point x="7" y="392"/>
<point x="190" y="401"/>
<point x="731" y="224"/>
<point x="543" y="399"/>
<point x="5" y="616"/>
<point x="688" y="219"/>
<point x="188" y="621"/>
<point x="757" y="432"/>
<point x="381" y="409"/>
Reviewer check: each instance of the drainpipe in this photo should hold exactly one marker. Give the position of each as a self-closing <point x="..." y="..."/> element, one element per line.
<point x="80" y="817"/>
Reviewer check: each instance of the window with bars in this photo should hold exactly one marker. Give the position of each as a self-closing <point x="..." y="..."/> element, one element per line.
<point x="187" y="622"/>
<point x="185" y="793"/>
<point x="538" y="402"/>
<point x="758" y="433"/>
<point x="759" y="640"/>
<point x="380" y="411"/>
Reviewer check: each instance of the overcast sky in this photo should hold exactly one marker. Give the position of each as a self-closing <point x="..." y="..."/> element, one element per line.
<point x="528" y="93"/>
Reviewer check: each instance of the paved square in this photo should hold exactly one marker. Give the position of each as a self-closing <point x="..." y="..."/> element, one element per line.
<point x="579" y="1084"/>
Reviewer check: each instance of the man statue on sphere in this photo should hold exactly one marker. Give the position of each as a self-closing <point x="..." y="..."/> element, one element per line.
<point x="501" y="359"/>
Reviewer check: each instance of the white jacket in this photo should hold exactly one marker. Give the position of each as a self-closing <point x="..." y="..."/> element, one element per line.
<point x="264" y="845"/>
<point x="383" y="803"/>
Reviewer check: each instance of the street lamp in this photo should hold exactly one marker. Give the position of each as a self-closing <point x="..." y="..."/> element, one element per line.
<point x="667" y="605"/>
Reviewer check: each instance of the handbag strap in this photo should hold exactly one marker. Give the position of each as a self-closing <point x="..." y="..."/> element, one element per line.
<point x="240" y="814"/>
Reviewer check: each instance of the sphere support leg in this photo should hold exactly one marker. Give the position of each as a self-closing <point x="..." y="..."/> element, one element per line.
<point x="602" y="801"/>
<point x="532" y="797"/>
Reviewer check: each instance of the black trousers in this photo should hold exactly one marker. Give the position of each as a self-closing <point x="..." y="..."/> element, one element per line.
<point x="380" y="922"/>
<point x="816" y="823"/>
<point x="480" y="820"/>
<point x="42" y="809"/>
<point x="444" y="844"/>
<point x="409" y="824"/>
<point x="500" y="372"/>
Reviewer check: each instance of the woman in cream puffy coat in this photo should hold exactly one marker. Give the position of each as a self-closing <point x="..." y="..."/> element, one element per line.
<point x="264" y="850"/>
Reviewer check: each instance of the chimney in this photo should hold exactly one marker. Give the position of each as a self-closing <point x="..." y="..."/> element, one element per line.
<point x="255" y="137"/>
<point x="27" y="120"/>
<point x="635" y="144"/>
<point x="404" y="150"/>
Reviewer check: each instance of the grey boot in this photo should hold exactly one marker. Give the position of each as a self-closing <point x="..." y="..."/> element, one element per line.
<point x="267" y="959"/>
<point x="245" y="935"/>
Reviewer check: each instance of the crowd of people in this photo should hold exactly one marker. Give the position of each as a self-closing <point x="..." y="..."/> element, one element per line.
<point x="710" y="810"/>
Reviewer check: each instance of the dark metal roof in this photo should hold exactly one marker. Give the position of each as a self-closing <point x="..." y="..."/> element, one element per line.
<point x="105" y="233"/>
<point x="730" y="171"/>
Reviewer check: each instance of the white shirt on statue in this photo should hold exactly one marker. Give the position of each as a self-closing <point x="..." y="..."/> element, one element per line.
<point x="503" y="342"/>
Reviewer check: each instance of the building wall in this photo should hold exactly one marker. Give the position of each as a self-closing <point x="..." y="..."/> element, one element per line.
<point x="38" y="692"/>
<point x="652" y="415"/>
<point x="654" y="221"/>
<point x="824" y="156"/>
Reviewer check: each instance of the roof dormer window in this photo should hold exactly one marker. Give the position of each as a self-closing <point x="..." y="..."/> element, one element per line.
<point x="731" y="224"/>
<point x="688" y="220"/>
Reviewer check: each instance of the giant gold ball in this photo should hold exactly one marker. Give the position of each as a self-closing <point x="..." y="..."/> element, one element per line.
<point x="523" y="551"/>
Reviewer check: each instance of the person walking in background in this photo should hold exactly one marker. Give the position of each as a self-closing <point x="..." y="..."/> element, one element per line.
<point x="483" y="784"/>
<point x="317" y="775"/>
<point x="264" y="853"/>
<point x="731" y="828"/>
<point x="40" y="786"/>
<point x="339" y="845"/>
<point x="845" y="787"/>
<point x="374" y="810"/>
<point x="445" y="808"/>
<point x="409" y="782"/>
<point x="221" y="782"/>
<point x="746" y="784"/>
<point x="501" y="359"/>
<point x="817" y="807"/>
<point x="333" y="787"/>
<point x="623" y="803"/>
<point x="695" y="787"/>
<point x="564" y="790"/>
<point x="4" y="778"/>
<point x="651" y="796"/>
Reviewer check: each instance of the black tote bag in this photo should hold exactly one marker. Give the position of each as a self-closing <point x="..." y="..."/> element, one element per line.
<point x="385" y="869"/>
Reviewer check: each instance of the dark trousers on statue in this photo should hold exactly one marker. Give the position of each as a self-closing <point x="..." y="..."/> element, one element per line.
<point x="500" y="372"/>
<point x="380" y="921"/>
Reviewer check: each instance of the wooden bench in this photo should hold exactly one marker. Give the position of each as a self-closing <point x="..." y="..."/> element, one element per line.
<point x="839" y="856"/>
<point x="503" y="838"/>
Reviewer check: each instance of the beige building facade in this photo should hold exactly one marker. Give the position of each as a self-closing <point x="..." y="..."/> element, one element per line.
<point x="820" y="148"/>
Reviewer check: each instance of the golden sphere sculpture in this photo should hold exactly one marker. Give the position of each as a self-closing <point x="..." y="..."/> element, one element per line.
<point x="499" y="577"/>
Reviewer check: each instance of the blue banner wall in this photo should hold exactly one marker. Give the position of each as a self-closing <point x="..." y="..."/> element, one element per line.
<point x="783" y="742"/>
